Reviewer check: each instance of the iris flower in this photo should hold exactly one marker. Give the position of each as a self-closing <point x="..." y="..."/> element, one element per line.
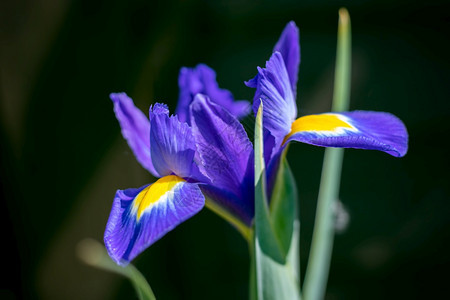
<point x="211" y="159"/>
<point x="203" y="152"/>
<point x="276" y="88"/>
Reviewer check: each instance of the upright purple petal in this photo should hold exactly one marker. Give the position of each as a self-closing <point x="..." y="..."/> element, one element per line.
<point x="274" y="89"/>
<point x="135" y="129"/>
<point x="140" y="217"/>
<point x="224" y="149"/>
<point x="357" y="129"/>
<point x="172" y="144"/>
<point x="289" y="47"/>
<point x="202" y="79"/>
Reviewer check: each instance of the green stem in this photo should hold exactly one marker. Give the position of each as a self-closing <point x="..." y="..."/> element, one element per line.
<point x="94" y="254"/>
<point x="322" y="242"/>
<point x="342" y="75"/>
<point x="323" y="235"/>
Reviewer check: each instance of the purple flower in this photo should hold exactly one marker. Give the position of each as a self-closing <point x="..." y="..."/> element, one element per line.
<point x="203" y="153"/>
<point x="212" y="159"/>
<point x="276" y="88"/>
<point x="202" y="80"/>
<point x="225" y="157"/>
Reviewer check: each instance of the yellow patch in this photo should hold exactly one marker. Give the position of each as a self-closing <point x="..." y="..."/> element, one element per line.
<point x="154" y="193"/>
<point x="323" y="122"/>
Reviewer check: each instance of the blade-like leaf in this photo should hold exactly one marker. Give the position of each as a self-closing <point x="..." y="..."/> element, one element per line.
<point x="316" y="276"/>
<point x="342" y="76"/>
<point x="283" y="204"/>
<point x="275" y="279"/>
<point x="264" y="231"/>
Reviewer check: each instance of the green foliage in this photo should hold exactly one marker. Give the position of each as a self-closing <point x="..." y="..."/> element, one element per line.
<point x="283" y="205"/>
<point x="316" y="276"/>
<point x="275" y="263"/>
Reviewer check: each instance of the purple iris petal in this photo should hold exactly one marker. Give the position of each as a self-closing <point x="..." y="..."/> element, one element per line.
<point x="274" y="89"/>
<point x="202" y="79"/>
<point x="135" y="129"/>
<point x="272" y="172"/>
<point x="368" y="130"/>
<point x="289" y="47"/>
<point x="172" y="144"/>
<point x="130" y="231"/>
<point x="224" y="149"/>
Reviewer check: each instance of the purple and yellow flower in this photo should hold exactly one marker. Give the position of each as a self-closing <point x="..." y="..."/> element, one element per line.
<point x="203" y="152"/>
<point x="276" y="89"/>
<point x="213" y="158"/>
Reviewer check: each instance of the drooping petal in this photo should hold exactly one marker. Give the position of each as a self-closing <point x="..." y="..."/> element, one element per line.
<point x="289" y="47"/>
<point x="139" y="217"/>
<point x="135" y="129"/>
<point x="357" y="129"/>
<point x="172" y="144"/>
<point x="202" y="79"/>
<point x="274" y="89"/>
<point x="224" y="149"/>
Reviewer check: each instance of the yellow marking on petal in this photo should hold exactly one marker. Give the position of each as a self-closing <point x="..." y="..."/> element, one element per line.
<point x="323" y="122"/>
<point x="154" y="193"/>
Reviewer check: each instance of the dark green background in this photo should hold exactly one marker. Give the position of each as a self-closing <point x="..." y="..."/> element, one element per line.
<point x="62" y="156"/>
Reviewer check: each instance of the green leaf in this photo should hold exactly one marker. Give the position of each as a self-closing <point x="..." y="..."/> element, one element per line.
<point x="316" y="276"/>
<point x="283" y="204"/>
<point x="275" y="277"/>
<point x="263" y="227"/>
<point x="342" y="76"/>
<point x="94" y="254"/>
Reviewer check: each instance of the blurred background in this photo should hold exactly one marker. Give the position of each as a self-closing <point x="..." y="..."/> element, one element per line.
<point x="62" y="155"/>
